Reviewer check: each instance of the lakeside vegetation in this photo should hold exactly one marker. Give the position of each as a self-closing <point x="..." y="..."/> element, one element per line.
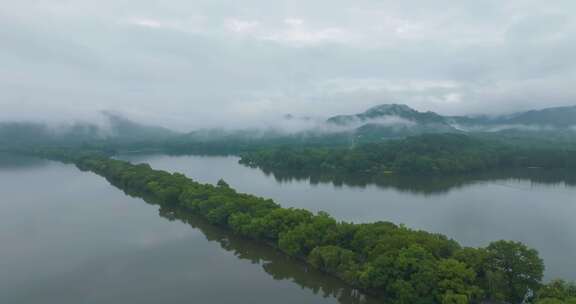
<point x="431" y="154"/>
<point x="404" y="265"/>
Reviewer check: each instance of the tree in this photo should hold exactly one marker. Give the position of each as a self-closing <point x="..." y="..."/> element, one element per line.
<point x="222" y="183"/>
<point x="515" y="270"/>
<point x="456" y="282"/>
<point x="557" y="291"/>
<point x="321" y="230"/>
<point x="335" y="260"/>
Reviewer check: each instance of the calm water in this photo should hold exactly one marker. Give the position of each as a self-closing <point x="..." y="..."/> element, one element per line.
<point x="475" y="211"/>
<point x="69" y="237"/>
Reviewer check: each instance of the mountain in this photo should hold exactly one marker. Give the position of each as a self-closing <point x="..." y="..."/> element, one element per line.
<point x="382" y="122"/>
<point x="117" y="129"/>
<point x="24" y="133"/>
<point x="398" y="120"/>
<point x="388" y="111"/>
<point x="557" y="118"/>
<point x="122" y="128"/>
<point x="392" y="120"/>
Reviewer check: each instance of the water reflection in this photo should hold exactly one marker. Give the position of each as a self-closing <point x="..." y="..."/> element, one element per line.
<point x="177" y="271"/>
<point x="11" y="161"/>
<point x="532" y="206"/>
<point x="273" y="262"/>
<point x="77" y="239"/>
<point x="276" y="264"/>
<point x="427" y="185"/>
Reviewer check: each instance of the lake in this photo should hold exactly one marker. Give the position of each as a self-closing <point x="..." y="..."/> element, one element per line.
<point x="534" y="207"/>
<point x="69" y="237"/>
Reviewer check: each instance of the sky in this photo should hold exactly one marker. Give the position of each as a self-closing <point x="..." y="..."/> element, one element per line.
<point x="189" y="64"/>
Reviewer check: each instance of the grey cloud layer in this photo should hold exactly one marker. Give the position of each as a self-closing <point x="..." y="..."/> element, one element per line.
<point x="202" y="63"/>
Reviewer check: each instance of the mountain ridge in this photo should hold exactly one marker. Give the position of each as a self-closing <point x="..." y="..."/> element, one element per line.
<point x="377" y="123"/>
<point x="553" y="117"/>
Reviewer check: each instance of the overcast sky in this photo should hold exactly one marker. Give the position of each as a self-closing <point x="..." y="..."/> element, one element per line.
<point x="202" y="63"/>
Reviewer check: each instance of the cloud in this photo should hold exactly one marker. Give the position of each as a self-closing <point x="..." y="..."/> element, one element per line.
<point x="386" y="121"/>
<point x="294" y="22"/>
<point x="146" y="22"/>
<point x="206" y="63"/>
<point x="241" y="26"/>
<point x="299" y="36"/>
<point x="502" y="127"/>
<point x="291" y="32"/>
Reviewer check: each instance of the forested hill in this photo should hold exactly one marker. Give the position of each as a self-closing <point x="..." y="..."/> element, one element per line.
<point x="116" y="130"/>
<point x="424" y="154"/>
<point x="398" y="263"/>
<point x="375" y="125"/>
<point x="385" y="122"/>
<point x="549" y="118"/>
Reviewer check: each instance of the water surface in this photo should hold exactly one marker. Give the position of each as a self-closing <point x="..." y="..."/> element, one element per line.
<point x="537" y="207"/>
<point x="70" y="237"/>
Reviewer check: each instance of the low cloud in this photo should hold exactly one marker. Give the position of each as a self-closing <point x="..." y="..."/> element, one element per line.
<point x="503" y="127"/>
<point x="385" y="121"/>
<point x="210" y="63"/>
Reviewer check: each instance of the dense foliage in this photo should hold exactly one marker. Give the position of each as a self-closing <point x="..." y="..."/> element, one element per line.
<point x="557" y="292"/>
<point x="425" y="154"/>
<point x="404" y="265"/>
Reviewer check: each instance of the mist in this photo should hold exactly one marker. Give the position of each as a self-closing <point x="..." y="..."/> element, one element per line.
<point x="212" y="63"/>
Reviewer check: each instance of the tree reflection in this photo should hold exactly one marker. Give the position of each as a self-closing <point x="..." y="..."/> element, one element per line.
<point x="14" y="161"/>
<point x="274" y="263"/>
<point x="427" y="185"/>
